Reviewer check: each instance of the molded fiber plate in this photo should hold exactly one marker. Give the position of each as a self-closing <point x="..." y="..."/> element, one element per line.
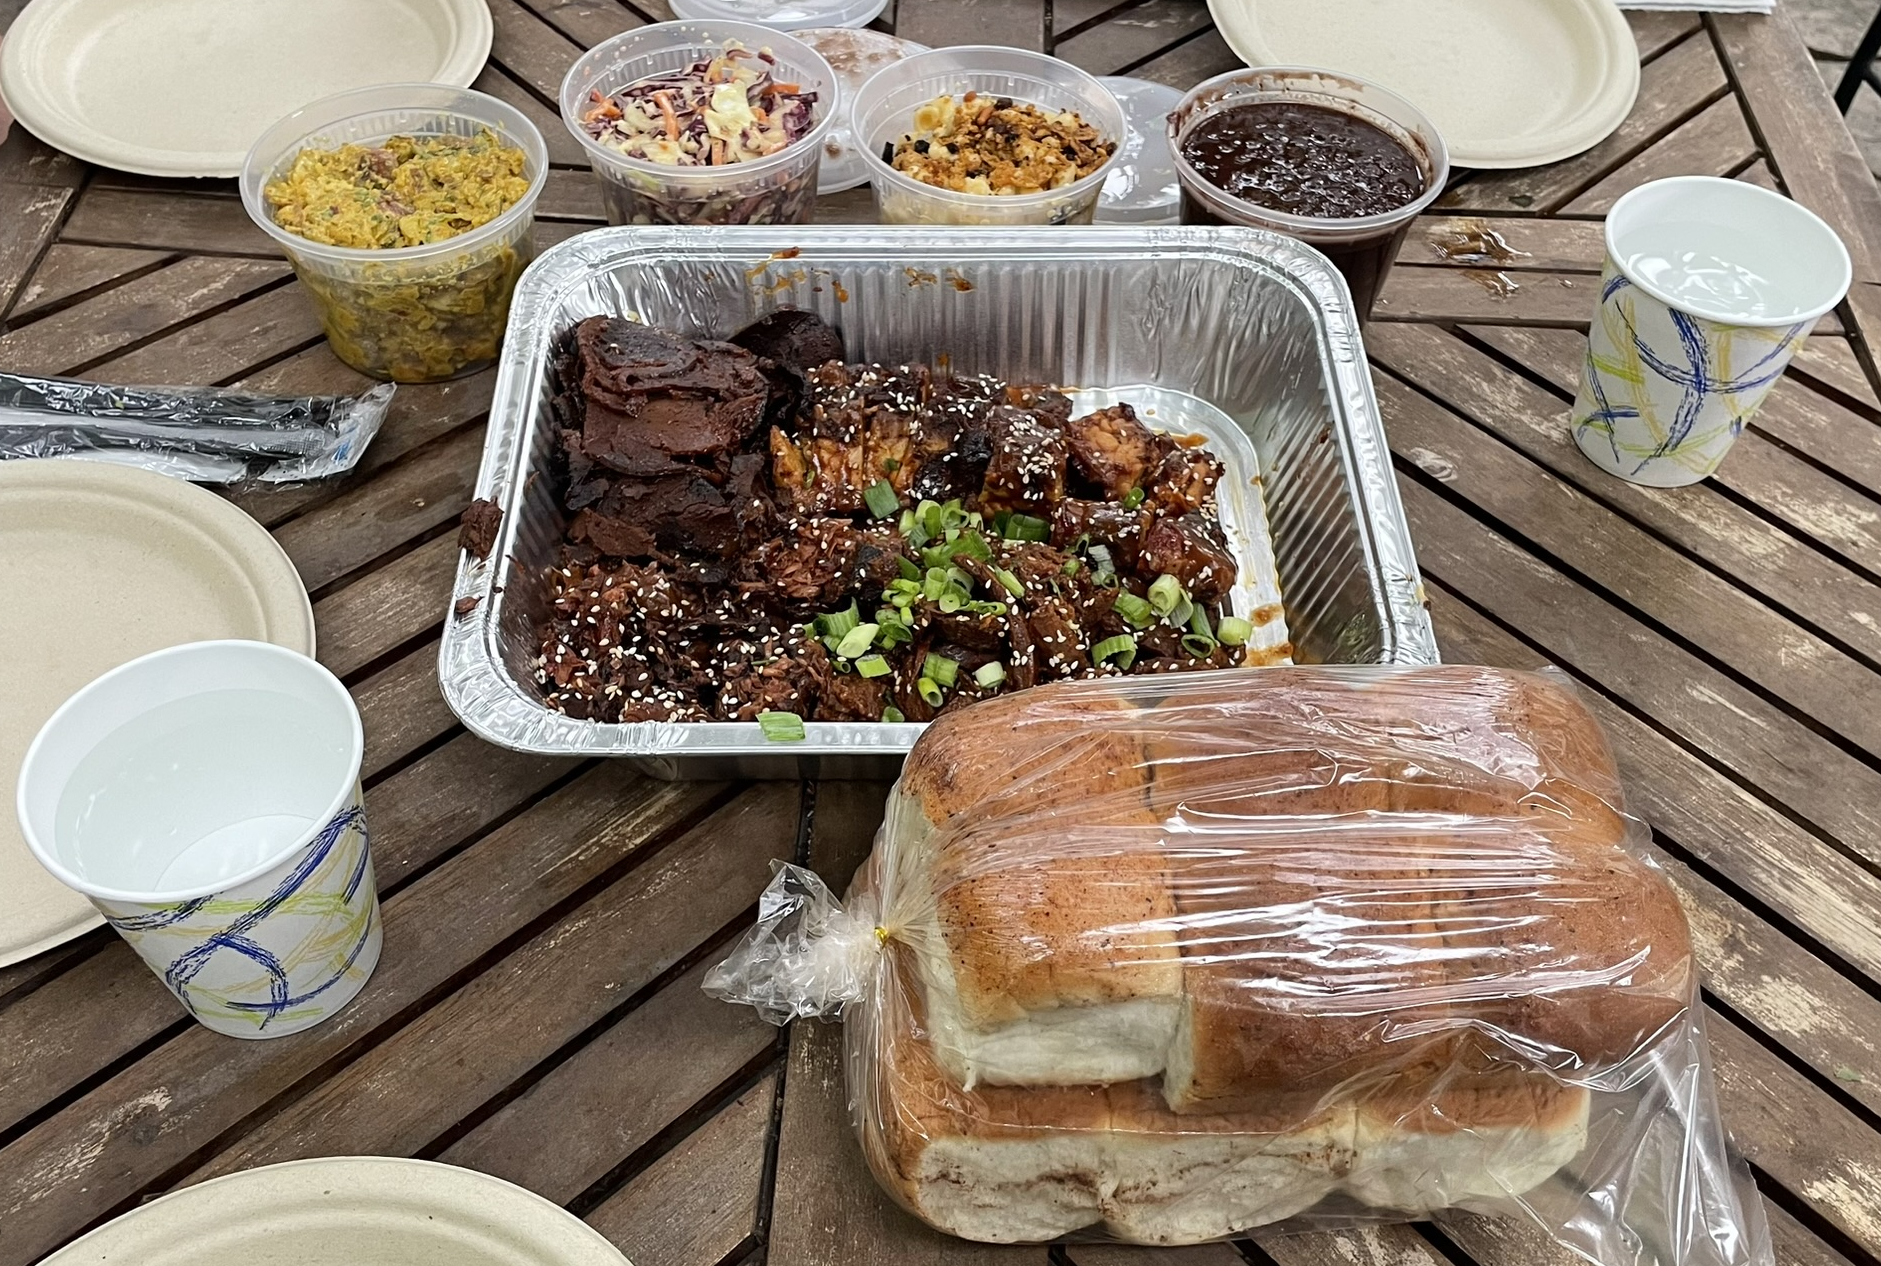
<point x="183" y="87"/>
<point x="1509" y="83"/>
<point x="347" y="1211"/>
<point x="98" y="565"/>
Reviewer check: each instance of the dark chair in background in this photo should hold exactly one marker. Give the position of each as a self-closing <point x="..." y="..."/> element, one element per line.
<point x="1861" y="67"/>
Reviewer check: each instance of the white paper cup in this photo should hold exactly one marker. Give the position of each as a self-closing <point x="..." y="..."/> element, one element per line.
<point x="206" y="798"/>
<point x="1674" y="370"/>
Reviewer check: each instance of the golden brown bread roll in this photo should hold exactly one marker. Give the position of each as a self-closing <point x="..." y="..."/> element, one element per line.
<point x="1050" y="950"/>
<point x="1024" y="1164"/>
<point x="1428" y="859"/>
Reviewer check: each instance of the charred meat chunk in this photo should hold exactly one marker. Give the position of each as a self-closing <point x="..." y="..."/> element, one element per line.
<point x="1052" y="406"/>
<point x="1027" y="469"/>
<point x="953" y="444"/>
<point x="1184" y="482"/>
<point x="756" y="676"/>
<point x="792" y="338"/>
<point x="814" y="568"/>
<point x="859" y="424"/>
<point x="1113" y="452"/>
<point x="1058" y="638"/>
<point x="1192" y="550"/>
<point x="678" y="513"/>
<point x="1106" y="523"/>
<point x="650" y="399"/>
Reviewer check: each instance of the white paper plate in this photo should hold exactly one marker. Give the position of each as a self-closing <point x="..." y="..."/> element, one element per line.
<point x="347" y="1211"/>
<point x="1509" y="83"/>
<point x="100" y="564"/>
<point x="183" y="87"/>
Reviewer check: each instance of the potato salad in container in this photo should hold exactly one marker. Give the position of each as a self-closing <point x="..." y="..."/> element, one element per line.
<point x="702" y="123"/>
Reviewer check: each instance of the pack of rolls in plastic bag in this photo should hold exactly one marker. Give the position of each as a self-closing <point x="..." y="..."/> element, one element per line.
<point x="1163" y="960"/>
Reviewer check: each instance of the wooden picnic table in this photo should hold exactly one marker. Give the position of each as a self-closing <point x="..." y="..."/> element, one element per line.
<point x="537" y="1013"/>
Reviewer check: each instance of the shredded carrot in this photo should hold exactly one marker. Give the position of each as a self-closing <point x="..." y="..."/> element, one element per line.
<point x="718" y="151"/>
<point x="785" y="88"/>
<point x="661" y="100"/>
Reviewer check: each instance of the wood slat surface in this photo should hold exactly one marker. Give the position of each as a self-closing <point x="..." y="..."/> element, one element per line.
<point x="538" y="1012"/>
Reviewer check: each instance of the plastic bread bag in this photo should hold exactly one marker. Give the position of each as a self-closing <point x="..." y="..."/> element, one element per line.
<point x="1165" y="959"/>
<point x="201" y="433"/>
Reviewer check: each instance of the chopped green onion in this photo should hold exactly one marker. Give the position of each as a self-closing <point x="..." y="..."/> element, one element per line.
<point x="1000" y="520"/>
<point x="951" y="601"/>
<point x="929" y="692"/>
<point x="1234" y="631"/>
<point x="873" y="666"/>
<point x="907" y="522"/>
<point x="910" y="570"/>
<point x="940" y="669"/>
<point x="1179" y="618"/>
<point x="1164" y="593"/>
<point x="856" y="641"/>
<point x="1197" y="645"/>
<point x="1134" y="610"/>
<point x="1101" y="561"/>
<point x="890" y="465"/>
<point x="838" y="623"/>
<point x="781" y="727"/>
<point x="985" y="608"/>
<point x="973" y="545"/>
<point x="880" y="498"/>
<point x="893" y="635"/>
<point x="928" y="515"/>
<point x="1071" y="567"/>
<point x="1023" y="527"/>
<point x="934" y="584"/>
<point x="1120" y="650"/>
<point x="1198" y="623"/>
<point x="953" y="515"/>
<point x="893" y="715"/>
<point x="988" y="676"/>
<point x="1133" y="498"/>
<point x="1009" y="582"/>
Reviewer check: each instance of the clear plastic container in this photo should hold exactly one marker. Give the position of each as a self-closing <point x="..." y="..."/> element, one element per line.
<point x="413" y="313"/>
<point x="1362" y="247"/>
<point x="780" y="189"/>
<point x="785" y="15"/>
<point x="883" y="109"/>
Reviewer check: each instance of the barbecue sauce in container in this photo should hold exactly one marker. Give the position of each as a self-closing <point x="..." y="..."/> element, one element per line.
<point x="1336" y="162"/>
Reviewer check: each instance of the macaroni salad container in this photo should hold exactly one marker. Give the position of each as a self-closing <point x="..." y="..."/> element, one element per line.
<point x="882" y="111"/>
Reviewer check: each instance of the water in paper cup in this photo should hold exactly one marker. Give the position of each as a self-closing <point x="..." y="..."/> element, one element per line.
<point x="206" y="798"/>
<point x="1708" y="288"/>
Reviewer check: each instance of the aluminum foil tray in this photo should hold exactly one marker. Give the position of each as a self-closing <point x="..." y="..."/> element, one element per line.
<point x="1246" y="325"/>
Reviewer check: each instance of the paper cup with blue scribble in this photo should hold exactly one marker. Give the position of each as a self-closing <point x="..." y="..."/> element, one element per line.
<point x="206" y="798"/>
<point x="1709" y="287"/>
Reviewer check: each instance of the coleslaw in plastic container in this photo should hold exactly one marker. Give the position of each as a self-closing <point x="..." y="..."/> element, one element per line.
<point x="710" y="122"/>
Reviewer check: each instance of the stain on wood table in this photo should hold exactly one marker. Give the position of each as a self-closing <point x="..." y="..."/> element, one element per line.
<point x="538" y="1013"/>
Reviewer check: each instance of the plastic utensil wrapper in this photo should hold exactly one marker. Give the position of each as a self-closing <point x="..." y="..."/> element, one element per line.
<point x="1162" y="960"/>
<point x="200" y="433"/>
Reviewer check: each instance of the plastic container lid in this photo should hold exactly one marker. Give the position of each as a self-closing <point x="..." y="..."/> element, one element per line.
<point x="784" y="15"/>
<point x="854" y="54"/>
<point x="1142" y="187"/>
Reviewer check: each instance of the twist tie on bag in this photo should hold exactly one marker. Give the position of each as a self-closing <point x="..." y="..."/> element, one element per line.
<point x="807" y="956"/>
